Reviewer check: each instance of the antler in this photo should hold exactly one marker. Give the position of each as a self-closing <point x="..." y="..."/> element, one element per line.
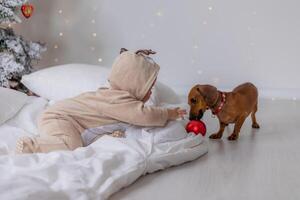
<point x="145" y="52"/>
<point x="123" y="50"/>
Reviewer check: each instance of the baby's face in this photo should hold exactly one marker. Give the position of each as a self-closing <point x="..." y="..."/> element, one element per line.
<point x="148" y="95"/>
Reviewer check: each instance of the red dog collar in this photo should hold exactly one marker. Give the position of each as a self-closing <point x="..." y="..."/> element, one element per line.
<point x="219" y="107"/>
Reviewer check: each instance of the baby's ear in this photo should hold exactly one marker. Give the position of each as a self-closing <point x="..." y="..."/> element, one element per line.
<point x="123" y="50"/>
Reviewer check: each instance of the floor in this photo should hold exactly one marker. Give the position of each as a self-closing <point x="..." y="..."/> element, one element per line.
<point x="263" y="164"/>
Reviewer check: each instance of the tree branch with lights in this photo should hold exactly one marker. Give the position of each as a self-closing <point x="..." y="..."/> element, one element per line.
<point x="16" y="54"/>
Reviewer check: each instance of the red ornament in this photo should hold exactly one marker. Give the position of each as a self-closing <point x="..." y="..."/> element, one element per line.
<point x="196" y="127"/>
<point x="27" y="10"/>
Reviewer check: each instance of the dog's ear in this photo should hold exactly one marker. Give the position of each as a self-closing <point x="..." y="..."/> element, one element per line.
<point x="209" y="93"/>
<point x="123" y="50"/>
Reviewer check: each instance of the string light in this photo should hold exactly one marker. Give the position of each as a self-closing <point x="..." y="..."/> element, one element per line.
<point x="200" y="72"/>
<point x="159" y="13"/>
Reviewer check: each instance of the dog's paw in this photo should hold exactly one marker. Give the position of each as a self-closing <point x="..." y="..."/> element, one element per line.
<point x="255" y="125"/>
<point x="215" y="136"/>
<point x="233" y="137"/>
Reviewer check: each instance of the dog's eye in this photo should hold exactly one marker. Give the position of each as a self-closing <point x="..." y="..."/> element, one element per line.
<point x="193" y="101"/>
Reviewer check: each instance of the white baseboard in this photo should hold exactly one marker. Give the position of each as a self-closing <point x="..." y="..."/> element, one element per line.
<point x="291" y="94"/>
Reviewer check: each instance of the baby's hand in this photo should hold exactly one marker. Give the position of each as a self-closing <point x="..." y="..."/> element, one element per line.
<point x="119" y="134"/>
<point x="176" y="113"/>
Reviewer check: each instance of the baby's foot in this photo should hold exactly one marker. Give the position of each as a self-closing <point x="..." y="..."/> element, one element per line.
<point x="24" y="145"/>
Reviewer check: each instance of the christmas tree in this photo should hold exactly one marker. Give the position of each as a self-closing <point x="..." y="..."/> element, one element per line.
<point x="16" y="54"/>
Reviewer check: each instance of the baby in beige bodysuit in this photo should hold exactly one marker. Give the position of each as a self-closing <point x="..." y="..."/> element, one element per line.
<point x="132" y="76"/>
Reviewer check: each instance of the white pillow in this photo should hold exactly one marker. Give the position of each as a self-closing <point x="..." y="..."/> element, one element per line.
<point x="65" y="81"/>
<point x="27" y="117"/>
<point x="162" y="94"/>
<point x="165" y="94"/>
<point x="11" y="102"/>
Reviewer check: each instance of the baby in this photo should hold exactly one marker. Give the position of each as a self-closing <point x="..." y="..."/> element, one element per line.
<point x="132" y="76"/>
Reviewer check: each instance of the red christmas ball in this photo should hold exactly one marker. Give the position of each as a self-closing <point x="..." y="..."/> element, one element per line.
<point x="197" y="127"/>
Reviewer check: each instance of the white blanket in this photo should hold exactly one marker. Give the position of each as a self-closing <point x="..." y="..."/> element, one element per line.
<point x="95" y="171"/>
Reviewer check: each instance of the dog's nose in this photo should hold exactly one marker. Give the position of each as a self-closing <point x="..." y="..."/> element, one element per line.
<point x="200" y="115"/>
<point x="196" y="117"/>
<point x="192" y="117"/>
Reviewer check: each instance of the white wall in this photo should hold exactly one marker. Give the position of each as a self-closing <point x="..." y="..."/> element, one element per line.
<point x="198" y="41"/>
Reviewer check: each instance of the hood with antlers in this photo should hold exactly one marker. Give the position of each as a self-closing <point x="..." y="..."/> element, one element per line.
<point x="134" y="72"/>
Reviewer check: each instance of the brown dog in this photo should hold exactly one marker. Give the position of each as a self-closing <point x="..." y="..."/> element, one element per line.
<point x="229" y="107"/>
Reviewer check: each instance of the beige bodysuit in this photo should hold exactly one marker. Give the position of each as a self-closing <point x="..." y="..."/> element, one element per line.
<point x="61" y="125"/>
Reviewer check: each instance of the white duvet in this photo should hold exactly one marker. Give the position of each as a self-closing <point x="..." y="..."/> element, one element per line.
<point x="92" y="172"/>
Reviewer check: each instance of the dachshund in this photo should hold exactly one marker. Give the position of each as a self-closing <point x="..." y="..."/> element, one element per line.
<point x="229" y="107"/>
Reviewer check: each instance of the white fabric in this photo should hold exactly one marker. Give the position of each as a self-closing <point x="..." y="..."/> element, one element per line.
<point x="174" y="130"/>
<point x="65" y="81"/>
<point x="11" y="102"/>
<point x="89" y="135"/>
<point x="95" y="171"/>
